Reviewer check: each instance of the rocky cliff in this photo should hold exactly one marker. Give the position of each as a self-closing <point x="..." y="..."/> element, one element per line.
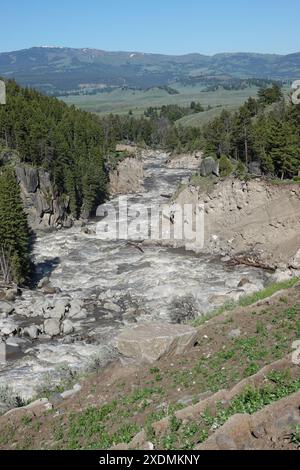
<point x="44" y="207"/>
<point x="127" y="177"/>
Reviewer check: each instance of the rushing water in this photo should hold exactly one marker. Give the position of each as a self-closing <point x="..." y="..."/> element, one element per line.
<point x="153" y="284"/>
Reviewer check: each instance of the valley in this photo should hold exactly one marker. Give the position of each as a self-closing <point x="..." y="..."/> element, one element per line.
<point x="122" y="101"/>
<point x="149" y="251"/>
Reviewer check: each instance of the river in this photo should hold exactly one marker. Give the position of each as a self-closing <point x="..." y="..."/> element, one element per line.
<point x="119" y="284"/>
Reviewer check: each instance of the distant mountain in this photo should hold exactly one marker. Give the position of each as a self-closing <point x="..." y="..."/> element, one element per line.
<point x="56" y="69"/>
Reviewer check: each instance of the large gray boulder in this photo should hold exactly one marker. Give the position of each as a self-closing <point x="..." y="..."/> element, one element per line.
<point x="149" y="342"/>
<point x="59" y="309"/>
<point x="209" y="167"/>
<point x="52" y="327"/>
<point x="6" y="307"/>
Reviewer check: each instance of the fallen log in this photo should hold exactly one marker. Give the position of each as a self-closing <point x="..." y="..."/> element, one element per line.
<point x="251" y="262"/>
<point x="136" y="245"/>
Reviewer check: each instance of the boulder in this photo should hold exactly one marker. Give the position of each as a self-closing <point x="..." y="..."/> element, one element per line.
<point x="75" y="306"/>
<point x="31" y="331"/>
<point x="76" y="310"/>
<point x="52" y="327"/>
<point x="149" y="342"/>
<point x="209" y="167"/>
<point x="58" y="311"/>
<point x="80" y="315"/>
<point x="6" y="307"/>
<point x="8" y="327"/>
<point x="112" y="307"/>
<point x="295" y="262"/>
<point x="234" y="334"/>
<point x="50" y="290"/>
<point x="11" y="295"/>
<point x="67" y="327"/>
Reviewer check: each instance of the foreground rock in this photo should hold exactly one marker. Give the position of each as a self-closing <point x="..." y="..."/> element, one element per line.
<point x="150" y="342"/>
<point x="261" y="431"/>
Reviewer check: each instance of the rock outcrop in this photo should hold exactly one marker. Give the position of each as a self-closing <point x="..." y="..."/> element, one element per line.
<point x="127" y="178"/>
<point x="45" y="209"/>
<point x="191" y="161"/>
<point x="261" y="431"/>
<point x="149" y="342"/>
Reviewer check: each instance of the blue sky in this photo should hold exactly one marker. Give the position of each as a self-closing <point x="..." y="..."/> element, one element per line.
<point x="163" y="26"/>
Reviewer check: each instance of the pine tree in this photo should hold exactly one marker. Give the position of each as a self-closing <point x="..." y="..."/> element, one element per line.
<point x="14" y="232"/>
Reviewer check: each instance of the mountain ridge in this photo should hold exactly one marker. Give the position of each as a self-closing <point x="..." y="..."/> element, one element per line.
<point x="54" y="69"/>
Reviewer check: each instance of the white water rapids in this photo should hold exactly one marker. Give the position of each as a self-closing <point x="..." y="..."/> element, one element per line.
<point x="151" y="285"/>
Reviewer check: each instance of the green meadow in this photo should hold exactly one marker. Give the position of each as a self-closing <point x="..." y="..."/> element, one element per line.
<point x="122" y="101"/>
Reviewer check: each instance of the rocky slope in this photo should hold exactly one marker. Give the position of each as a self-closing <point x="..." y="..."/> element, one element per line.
<point x="236" y="388"/>
<point x="254" y="217"/>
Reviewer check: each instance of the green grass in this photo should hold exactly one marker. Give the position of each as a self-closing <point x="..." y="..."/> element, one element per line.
<point x="295" y="436"/>
<point x="122" y="101"/>
<point x="205" y="185"/>
<point x="248" y="300"/>
<point x="199" y="119"/>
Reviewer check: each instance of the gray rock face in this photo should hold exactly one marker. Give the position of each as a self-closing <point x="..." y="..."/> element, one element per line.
<point x="29" y="178"/>
<point x="209" y="167"/>
<point x="43" y="206"/>
<point x="149" y="342"/>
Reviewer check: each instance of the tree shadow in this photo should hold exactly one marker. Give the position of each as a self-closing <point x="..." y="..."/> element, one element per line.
<point x="44" y="269"/>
